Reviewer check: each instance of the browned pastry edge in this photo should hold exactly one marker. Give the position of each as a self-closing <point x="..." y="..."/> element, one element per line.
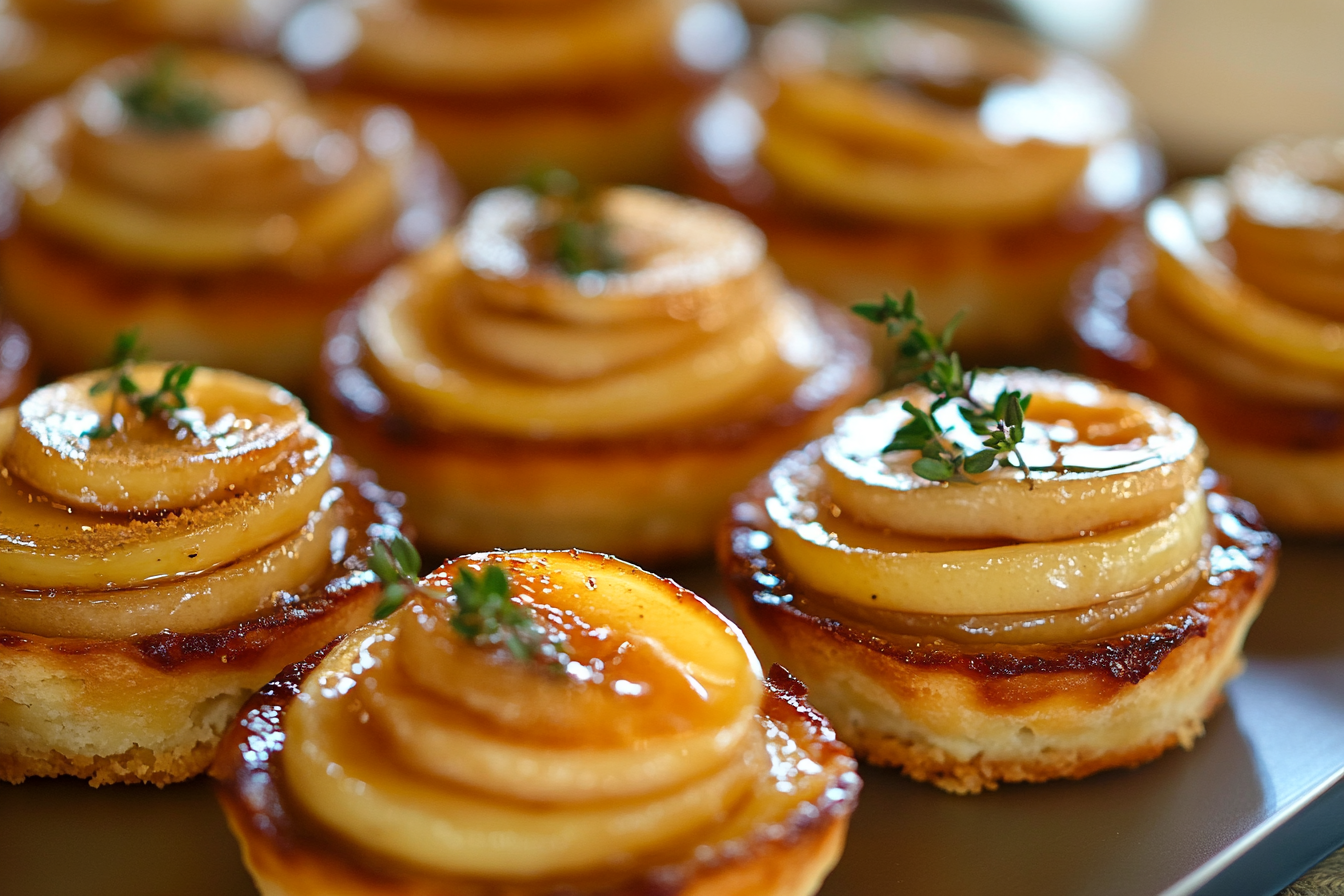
<point x="296" y="856"/>
<point x="1006" y="679"/>
<point x="138" y="766"/>
<point x="244" y="653"/>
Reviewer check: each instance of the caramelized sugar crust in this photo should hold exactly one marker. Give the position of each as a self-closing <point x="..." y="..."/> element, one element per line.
<point x="996" y="708"/>
<point x="173" y="693"/>
<point x="480" y="491"/>
<point x="291" y="854"/>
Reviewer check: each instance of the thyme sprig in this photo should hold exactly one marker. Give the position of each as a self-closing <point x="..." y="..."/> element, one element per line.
<point x="170" y="397"/>
<point x="576" y="235"/>
<point x="485" y="615"/>
<point x="163" y="98"/>
<point x="927" y="358"/>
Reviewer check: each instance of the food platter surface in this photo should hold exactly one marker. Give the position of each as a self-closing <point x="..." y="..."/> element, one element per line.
<point x="1201" y="822"/>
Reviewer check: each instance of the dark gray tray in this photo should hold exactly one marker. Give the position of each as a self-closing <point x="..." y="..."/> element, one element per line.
<point x="1251" y="808"/>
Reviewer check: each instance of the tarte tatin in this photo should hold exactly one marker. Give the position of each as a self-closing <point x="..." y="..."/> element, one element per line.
<point x="598" y="87"/>
<point x="49" y="44"/>
<point x="993" y="628"/>
<point x="205" y="199"/>
<point x="1232" y="312"/>
<point x="162" y="555"/>
<point x="610" y="734"/>
<point x="599" y="373"/>
<point x="949" y="155"/>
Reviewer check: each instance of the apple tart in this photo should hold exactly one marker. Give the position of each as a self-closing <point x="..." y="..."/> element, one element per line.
<point x="162" y="555"/>
<point x="599" y="373"/>
<point x="943" y="154"/>
<point x="598" y="87"/>
<point x="1231" y="311"/>
<point x="1078" y="610"/>
<point x="556" y="723"/>
<point x="206" y="200"/>
<point x="49" y="44"/>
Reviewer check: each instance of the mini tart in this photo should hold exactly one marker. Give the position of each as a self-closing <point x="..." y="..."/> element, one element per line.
<point x="613" y="412"/>
<point x="600" y="88"/>
<point x="228" y="244"/>
<point x="1231" y="311"/>
<point x="51" y="43"/>
<point x="973" y="633"/>
<point x="656" y="762"/>
<point x="928" y="153"/>
<point x="152" y="580"/>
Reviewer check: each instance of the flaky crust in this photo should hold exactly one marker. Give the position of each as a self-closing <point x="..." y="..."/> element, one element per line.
<point x="647" y="499"/>
<point x="289" y="855"/>
<point x="153" y="708"/>
<point x="965" y="716"/>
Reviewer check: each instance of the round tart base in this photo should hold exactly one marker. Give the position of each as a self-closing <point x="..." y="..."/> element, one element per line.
<point x="1012" y="284"/>
<point x="1286" y="460"/>
<point x="290" y="855"/>
<point x="647" y="499"/>
<point x="269" y="325"/>
<point x="969" y="716"/>
<point x="152" y="709"/>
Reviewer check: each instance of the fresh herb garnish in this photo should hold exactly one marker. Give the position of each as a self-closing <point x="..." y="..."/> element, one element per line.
<point x="926" y="358"/>
<point x="163" y="98"/>
<point x="170" y="397"/>
<point x="575" y="234"/>
<point x="484" y="614"/>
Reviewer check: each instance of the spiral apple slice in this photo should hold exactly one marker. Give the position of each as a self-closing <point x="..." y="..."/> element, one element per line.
<point x="883" y="570"/>
<point x="234" y="427"/>
<point x="682" y="259"/>
<point x="1104" y="458"/>
<point x="448" y="390"/>
<point x="47" y="544"/>
<point x="341" y="778"/>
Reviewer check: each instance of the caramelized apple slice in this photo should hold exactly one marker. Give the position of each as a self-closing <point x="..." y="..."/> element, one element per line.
<point x="1102" y="458"/>
<point x="234" y="429"/>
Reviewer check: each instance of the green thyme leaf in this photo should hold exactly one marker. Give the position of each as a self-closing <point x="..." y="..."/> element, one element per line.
<point x="926" y="358"/>
<point x="575" y="233"/>
<point x="164" y="99"/>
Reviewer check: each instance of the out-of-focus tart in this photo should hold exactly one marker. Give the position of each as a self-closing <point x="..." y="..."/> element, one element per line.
<point x="598" y="87"/>
<point x="599" y="372"/>
<point x="162" y="555"/>
<point x="205" y="199"/>
<point x="610" y="733"/>
<point x="948" y="155"/>
<point x="975" y="595"/>
<point x="1232" y="312"/>
<point x="46" y="45"/>
<point x="18" y="365"/>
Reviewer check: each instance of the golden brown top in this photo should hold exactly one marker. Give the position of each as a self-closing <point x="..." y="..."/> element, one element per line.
<point x="934" y="121"/>
<point x="182" y="520"/>
<point x="204" y="162"/>
<point x="1250" y="269"/>
<point x="692" y="325"/>
<point x="528" y="47"/>
<point x="1112" y="509"/>
<point x="428" y="747"/>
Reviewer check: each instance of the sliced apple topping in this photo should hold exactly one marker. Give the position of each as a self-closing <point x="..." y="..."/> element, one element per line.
<point x="1111" y="510"/>
<point x="421" y="743"/>
<point x="493" y="337"/>
<point x="162" y="497"/>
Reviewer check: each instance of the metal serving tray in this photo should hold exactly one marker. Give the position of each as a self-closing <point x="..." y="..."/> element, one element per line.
<point x="1255" y="804"/>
